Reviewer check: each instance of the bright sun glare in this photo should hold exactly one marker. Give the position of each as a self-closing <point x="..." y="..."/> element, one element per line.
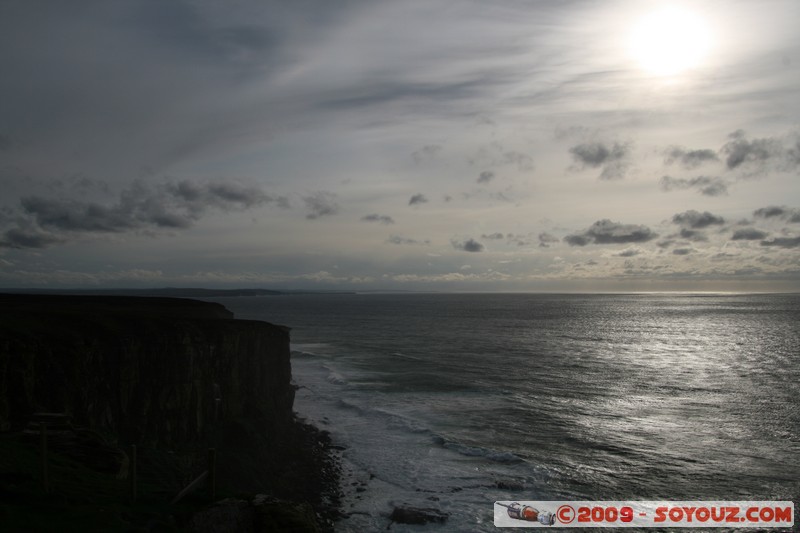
<point x="670" y="41"/>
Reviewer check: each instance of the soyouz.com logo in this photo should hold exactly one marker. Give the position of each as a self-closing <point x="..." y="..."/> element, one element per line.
<point x="705" y="514"/>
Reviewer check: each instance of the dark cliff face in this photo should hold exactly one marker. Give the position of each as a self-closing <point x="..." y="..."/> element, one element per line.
<point x="153" y="371"/>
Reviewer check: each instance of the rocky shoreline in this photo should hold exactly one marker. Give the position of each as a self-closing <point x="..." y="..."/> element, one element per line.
<point x="296" y="488"/>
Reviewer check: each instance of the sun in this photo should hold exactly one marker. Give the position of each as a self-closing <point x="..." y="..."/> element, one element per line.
<point x="670" y="41"/>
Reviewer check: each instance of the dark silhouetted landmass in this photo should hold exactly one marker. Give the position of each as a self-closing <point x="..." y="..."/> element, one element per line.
<point x="173" y="377"/>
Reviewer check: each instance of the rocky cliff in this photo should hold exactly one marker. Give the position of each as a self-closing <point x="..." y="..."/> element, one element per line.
<point x="153" y="371"/>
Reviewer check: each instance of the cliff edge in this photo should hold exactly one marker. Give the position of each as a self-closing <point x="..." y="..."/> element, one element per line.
<point x="154" y="371"/>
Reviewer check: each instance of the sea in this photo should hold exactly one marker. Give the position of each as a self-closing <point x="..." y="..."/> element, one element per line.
<point x="454" y="401"/>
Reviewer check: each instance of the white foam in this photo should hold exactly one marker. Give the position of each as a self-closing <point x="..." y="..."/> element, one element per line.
<point x="392" y="456"/>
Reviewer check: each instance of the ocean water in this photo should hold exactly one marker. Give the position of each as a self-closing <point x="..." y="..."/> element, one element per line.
<point x="454" y="401"/>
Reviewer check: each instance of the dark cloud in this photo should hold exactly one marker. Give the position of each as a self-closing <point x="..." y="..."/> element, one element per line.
<point x="682" y="251"/>
<point x="321" y="204"/>
<point x="486" y="176"/>
<point x="228" y="193"/>
<point x="689" y="158"/>
<point x="545" y="240"/>
<point x="771" y="211"/>
<point x="5" y="142"/>
<point x="740" y="150"/>
<point x="783" y="242"/>
<point x="693" y="234"/>
<point x="229" y="196"/>
<point x="21" y="238"/>
<point x="577" y="240"/>
<point x="608" y="232"/>
<point x="470" y="245"/>
<point x="418" y="198"/>
<point x="612" y="158"/>
<point x="709" y="186"/>
<point x="493" y="236"/>
<point x="748" y="234"/>
<point x="593" y="154"/>
<point x="374" y="217"/>
<point x="781" y="212"/>
<point x="793" y="154"/>
<point x="78" y="216"/>
<point x="169" y="205"/>
<point x="223" y="195"/>
<point x="696" y="220"/>
<point x="396" y="239"/>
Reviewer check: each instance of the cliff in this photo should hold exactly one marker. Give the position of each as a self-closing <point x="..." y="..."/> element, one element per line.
<point x="172" y="376"/>
<point x="160" y="372"/>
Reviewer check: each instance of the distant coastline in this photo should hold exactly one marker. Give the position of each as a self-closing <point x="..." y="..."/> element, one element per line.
<point x="170" y="292"/>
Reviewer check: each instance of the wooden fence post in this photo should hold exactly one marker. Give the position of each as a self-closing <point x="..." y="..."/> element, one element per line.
<point x="132" y="471"/>
<point x="45" y="477"/>
<point x="212" y="473"/>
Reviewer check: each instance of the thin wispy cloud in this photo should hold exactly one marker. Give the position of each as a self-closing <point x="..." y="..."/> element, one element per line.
<point x="374" y="217"/>
<point x="152" y="142"/>
<point x="396" y="239"/>
<point x="629" y="252"/>
<point x="321" y="204"/>
<point x="426" y="153"/>
<point x="486" y="176"/>
<point x="706" y="185"/>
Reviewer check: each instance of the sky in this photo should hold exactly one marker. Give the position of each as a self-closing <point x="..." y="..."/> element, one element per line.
<point x="442" y="145"/>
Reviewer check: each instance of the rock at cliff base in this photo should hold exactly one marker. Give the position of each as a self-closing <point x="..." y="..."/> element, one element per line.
<point x="229" y="515"/>
<point x="274" y="515"/>
<point x="509" y="484"/>
<point x="417" y="515"/>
